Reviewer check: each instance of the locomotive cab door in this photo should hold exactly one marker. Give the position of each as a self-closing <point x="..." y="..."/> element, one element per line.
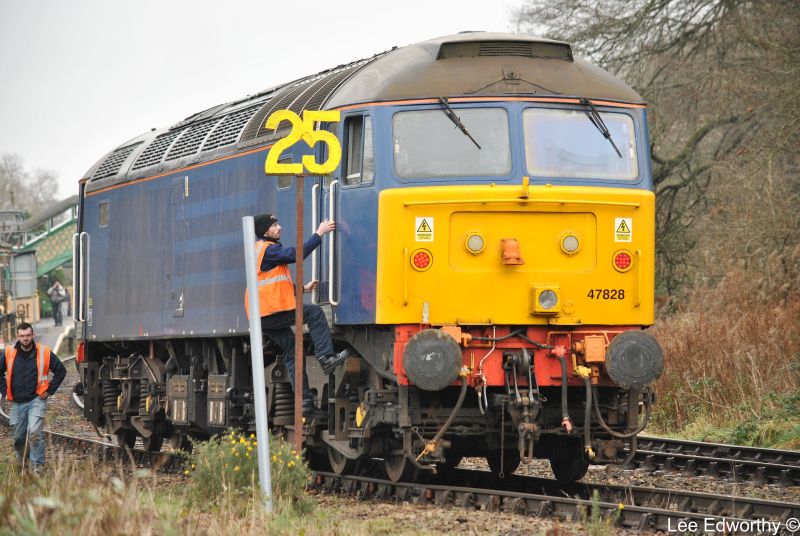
<point x="340" y="200"/>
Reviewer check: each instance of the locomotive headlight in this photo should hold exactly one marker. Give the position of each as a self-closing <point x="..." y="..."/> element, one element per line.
<point x="547" y="299"/>
<point x="474" y="243"/>
<point x="570" y="243"/>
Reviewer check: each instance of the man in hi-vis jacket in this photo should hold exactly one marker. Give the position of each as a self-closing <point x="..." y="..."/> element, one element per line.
<point x="277" y="305"/>
<point x="25" y="382"/>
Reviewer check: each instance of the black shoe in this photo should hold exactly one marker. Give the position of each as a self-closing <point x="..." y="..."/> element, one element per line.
<point x="311" y="411"/>
<point x="330" y="362"/>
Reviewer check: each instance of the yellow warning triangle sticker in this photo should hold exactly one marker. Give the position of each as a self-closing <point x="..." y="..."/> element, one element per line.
<point x="424" y="227"/>
<point x="623" y="227"/>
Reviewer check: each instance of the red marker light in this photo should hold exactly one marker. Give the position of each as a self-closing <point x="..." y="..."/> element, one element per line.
<point x="421" y="259"/>
<point x="622" y="261"/>
<point x="79" y="355"/>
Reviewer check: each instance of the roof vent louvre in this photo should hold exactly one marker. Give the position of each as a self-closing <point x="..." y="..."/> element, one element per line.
<point x="228" y="130"/>
<point x="307" y="94"/>
<point x="113" y="163"/>
<point x="523" y="49"/>
<point x="190" y="141"/>
<point x="155" y="151"/>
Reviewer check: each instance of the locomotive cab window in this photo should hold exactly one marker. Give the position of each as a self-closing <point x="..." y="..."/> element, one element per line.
<point x="565" y="143"/>
<point x="430" y="144"/>
<point x="102" y="214"/>
<point x="359" y="164"/>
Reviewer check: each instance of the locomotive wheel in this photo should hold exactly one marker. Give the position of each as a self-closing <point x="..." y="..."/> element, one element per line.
<point x="510" y="462"/>
<point x="341" y="464"/>
<point x="399" y="468"/>
<point x="126" y="438"/>
<point x="571" y="468"/>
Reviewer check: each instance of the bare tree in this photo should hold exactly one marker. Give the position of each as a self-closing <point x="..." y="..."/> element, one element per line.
<point x="721" y="79"/>
<point x="23" y="189"/>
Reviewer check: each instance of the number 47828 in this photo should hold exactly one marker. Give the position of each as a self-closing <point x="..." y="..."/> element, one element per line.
<point x="606" y="294"/>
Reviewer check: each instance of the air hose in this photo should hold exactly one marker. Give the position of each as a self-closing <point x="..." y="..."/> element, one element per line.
<point x="566" y="422"/>
<point x="587" y="419"/>
<point x="431" y="445"/>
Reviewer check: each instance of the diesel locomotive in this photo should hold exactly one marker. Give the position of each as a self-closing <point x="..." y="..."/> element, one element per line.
<point x="492" y="270"/>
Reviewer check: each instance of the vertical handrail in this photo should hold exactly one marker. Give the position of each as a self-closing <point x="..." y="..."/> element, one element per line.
<point x="332" y="243"/>
<point x="315" y="253"/>
<point x="76" y="284"/>
<point x="83" y="274"/>
<point x="637" y="297"/>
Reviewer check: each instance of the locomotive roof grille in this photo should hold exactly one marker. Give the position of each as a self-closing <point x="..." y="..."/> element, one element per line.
<point x="155" y="151"/>
<point x="526" y="49"/>
<point x="227" y="131"/>
<point x="113" y="163"/>
<point x="308" y="94"/>
<point x="189" y="142"/>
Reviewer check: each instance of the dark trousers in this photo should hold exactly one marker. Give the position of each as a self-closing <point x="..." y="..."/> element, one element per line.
<point x="57" y="316"/>
<point x="277" y="328"/>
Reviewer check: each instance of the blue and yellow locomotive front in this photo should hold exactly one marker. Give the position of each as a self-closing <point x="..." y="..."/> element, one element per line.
<point x="514" y="243"/>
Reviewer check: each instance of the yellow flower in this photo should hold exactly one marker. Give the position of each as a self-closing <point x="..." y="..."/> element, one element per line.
<point x="255" y="443"/>
<point x="236" y="468"/>
<point x="249" y="449"/>
<point x="186" y="472"/>
<point x="297" y="457"/>
<point x="241" y="440"/>
<point x="291" y="464"/>
<point x="233" y="451"/>
<point x="252" y="436"/>
<point x="192" y="466"/>
<point x="274" y="458"/>
<point x="247" y="454"/>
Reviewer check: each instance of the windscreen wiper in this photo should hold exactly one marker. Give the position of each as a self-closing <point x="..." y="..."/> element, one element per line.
<point x="448" y="111"/>
<point x="597" y="121"/>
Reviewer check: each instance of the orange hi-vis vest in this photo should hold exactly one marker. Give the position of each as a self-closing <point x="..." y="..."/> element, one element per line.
<point x="42" y="366"/>
<point x="275" y="287"/>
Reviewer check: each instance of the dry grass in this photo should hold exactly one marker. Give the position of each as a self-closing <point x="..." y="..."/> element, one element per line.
<point x="732" y="362"/>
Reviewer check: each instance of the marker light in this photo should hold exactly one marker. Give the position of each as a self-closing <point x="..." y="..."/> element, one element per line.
<point x="570" y="244"/>
<point x="421" y="259"/>
<point x="622" y="260"/>
<point x="80" y="354"/>
<point x="474" y="243"/>
<point x="547" y="299"/>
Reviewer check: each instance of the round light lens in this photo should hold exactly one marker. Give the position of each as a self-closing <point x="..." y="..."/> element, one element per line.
<point x="475" y="243"/>
<point x="421" y="259"/>
<point x="570" y="244"/>
<point x="547" y="299"/>
<point x="622" y="261"/>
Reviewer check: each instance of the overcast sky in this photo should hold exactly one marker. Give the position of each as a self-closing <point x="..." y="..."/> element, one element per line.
<point x="78" y="78"/>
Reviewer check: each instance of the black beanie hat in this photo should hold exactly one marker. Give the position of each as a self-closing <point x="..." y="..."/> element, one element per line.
<point x="263" y="222"/>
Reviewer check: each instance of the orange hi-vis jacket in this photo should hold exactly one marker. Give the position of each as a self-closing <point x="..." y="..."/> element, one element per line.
<point x="275" y="287"/>
<point x="42" y="366"/>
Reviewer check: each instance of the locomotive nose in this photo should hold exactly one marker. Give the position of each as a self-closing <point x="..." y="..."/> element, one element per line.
<point x="634" y="359"/>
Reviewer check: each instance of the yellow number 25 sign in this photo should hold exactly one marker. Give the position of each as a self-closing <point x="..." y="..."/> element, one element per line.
<point x="303" y="129"/>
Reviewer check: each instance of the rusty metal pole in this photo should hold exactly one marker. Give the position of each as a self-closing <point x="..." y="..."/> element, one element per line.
<point x="298" y="318"/>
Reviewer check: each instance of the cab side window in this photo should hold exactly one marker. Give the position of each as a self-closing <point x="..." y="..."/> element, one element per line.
<point x="359" y="165"/>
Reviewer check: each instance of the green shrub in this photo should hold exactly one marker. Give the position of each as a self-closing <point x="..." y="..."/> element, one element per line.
<point x="224" y="470"/>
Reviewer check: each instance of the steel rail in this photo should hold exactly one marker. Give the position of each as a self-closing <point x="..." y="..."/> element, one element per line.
<point x="720" y="450"/>
<point x="641" y="508"/>
<point x="642" y="518"/>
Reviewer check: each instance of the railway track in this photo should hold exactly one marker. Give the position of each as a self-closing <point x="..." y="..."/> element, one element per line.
<point x="759" y="465"/>
<point x="640" y="508"/>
